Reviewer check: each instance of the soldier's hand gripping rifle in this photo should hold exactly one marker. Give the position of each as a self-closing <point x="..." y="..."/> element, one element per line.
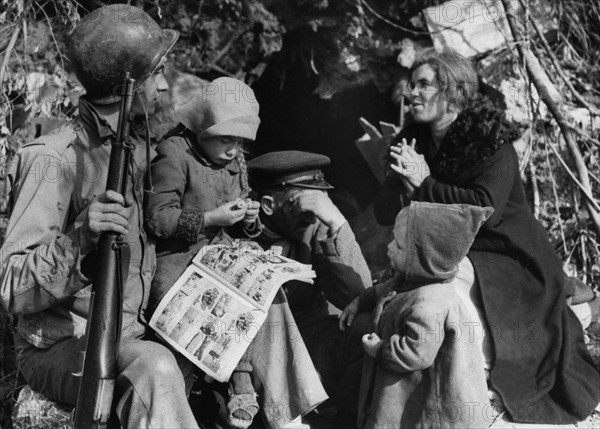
<point x="104" y="319"/>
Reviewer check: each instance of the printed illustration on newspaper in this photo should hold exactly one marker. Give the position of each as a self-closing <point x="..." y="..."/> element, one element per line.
<point x="215" y="309"/>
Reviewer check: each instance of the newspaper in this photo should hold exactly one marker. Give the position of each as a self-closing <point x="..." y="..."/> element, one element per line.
<point x="216" y="307"/>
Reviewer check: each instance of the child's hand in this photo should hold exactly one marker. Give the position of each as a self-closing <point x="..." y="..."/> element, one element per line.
<point x="252" y="208"/>
<point x="349" y="314"/>
<point x="371" y="344"/>
<point x="227" y="214"/>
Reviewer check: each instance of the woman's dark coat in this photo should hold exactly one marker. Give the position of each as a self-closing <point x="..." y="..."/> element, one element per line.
<point x="542" y="369"/>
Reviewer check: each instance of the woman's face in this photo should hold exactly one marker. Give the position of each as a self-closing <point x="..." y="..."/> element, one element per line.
<point x="428" y="105"/>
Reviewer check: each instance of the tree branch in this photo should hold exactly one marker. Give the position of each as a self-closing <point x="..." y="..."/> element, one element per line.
<point x="9" y="49"/>
<point x="557" y="66"/>
<point x="545" y="90"/>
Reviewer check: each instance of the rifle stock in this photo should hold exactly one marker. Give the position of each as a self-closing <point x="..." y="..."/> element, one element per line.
<point x="104" y="319"/>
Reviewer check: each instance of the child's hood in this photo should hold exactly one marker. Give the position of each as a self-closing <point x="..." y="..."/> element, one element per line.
<point x="223" y="107"/>
<point x="432" y="239"/>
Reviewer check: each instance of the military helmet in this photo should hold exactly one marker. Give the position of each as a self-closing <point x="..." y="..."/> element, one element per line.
<point x="113" y="40"/>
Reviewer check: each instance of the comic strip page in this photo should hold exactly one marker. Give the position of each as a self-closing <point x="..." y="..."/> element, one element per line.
<point x="216" y="307"/>
<point x="255" y="273"/>
<point x="208" y="323"/>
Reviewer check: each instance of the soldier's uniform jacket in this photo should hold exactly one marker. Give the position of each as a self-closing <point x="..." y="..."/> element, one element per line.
<point x="342" y="272"/>
<point x="44" y="277"/>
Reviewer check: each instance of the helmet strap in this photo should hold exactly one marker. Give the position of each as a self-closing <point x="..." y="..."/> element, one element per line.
<point x="148" y="187"/>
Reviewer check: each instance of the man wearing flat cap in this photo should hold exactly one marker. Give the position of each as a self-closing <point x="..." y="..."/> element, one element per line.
<point x="301" y="219"/>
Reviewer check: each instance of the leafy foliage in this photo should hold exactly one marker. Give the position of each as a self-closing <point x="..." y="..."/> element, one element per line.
<point x="231" y="37"/>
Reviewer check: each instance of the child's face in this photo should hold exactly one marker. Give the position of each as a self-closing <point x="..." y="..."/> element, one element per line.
<point x="221" y="150"/>
<point x="393" y="253"/>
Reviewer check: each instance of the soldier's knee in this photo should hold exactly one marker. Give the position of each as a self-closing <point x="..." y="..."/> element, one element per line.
<point x="159" y="364"/>
<point x="164" y="365"/>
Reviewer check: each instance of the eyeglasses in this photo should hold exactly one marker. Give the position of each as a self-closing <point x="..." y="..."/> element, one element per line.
<point x="421" y="86"/>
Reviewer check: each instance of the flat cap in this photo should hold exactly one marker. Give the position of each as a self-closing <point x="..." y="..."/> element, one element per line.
<point x="289" y="168"/>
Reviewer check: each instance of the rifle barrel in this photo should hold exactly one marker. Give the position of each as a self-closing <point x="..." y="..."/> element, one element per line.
<point x="104" y="320"/>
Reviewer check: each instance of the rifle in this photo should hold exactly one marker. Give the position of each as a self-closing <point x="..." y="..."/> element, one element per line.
<point x="104" y="320"/>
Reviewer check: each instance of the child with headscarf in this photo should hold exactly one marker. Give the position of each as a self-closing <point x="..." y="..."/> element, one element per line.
<point x="200" y="192"/>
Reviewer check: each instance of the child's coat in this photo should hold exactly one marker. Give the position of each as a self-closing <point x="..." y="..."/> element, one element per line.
<point x="429" y="370"/>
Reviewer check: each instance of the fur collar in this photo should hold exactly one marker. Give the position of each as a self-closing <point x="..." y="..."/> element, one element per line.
<point x="475" y="136"/>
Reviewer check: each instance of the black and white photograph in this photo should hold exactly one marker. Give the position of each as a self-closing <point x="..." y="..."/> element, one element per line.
<point x="299" y="214"/>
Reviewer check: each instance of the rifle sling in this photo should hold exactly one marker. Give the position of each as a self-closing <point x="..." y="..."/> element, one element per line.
<point x="123" y="255"/>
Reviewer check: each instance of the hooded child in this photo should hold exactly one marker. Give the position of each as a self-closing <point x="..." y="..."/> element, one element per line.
<point x="423" y="367"/>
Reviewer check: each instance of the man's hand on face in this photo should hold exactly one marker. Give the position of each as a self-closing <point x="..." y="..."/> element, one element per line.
<point x="107" y="212"/>
<point x="319" y="203"/>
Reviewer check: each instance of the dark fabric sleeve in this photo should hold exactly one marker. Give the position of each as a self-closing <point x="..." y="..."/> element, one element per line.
<point x="190" y="225"/>
<point x="389" y="200"/>
<point x="367" y="300"/>
<point x="491" y="187"/>
<point x="164" y="203"/>
<point x="342" y="271"/>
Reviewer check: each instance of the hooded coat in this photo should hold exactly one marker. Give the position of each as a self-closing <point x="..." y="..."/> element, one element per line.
<point x="428" y="372"/>
<point x="542" y="369"/>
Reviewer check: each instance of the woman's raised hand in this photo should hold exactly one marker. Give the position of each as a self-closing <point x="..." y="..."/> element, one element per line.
<point x="410" y="165"/>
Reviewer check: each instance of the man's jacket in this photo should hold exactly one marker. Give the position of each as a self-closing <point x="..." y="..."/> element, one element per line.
<point x="44" y="277"/>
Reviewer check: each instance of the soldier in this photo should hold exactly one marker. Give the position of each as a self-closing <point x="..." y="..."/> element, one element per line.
<point x="299" y="217"/>
<point x="59" y="210"/>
